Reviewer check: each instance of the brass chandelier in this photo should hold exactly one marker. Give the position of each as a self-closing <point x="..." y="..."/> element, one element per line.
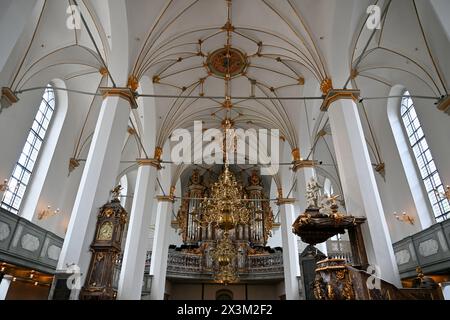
<point x="226" y="208"/>
<point x="225" y="254"/>
<point x="227" y="205"/>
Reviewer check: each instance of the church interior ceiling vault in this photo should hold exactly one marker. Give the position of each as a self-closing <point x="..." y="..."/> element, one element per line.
<point x="172" y="44"/>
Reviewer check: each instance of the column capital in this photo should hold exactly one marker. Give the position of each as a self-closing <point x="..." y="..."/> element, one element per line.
<point x="8" y="98"/>
<point x="339" y="94"/>
<point x="298" y="162"/>
<point x="155" y="163"/>
<point x="169" y="199"/>
<point x="302" y="164"/>
<point x="284" y="201"/>
<point x="444" y="104"/>
<point x="124" y="93"/>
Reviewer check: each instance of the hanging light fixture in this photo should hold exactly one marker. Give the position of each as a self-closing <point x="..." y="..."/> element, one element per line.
<point x="227" y="205"/>
<point x="224" y="254"/>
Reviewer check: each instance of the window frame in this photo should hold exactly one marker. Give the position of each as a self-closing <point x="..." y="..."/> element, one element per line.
<point x="21" y="177"/>
<point x="423" y="159"/>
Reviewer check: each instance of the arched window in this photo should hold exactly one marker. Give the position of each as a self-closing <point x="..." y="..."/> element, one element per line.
<point x="20" y="178"/>
<point x="328" y="187"/>
<point x="422" y="153"/>
<point x="124" y="191"/>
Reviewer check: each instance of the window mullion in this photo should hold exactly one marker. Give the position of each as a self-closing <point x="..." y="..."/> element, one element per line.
<point x="25" y="170"/>
<point x="428" y="171"/>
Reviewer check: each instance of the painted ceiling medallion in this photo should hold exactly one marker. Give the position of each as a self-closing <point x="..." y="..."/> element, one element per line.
<point x="226" y="62"/>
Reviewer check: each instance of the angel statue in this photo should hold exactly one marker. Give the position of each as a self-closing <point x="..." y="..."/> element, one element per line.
<point x="328" y="205"/>
<point x="313" y="193"/>
<point x="115" y="193"/>
<point x="325" y="205"/>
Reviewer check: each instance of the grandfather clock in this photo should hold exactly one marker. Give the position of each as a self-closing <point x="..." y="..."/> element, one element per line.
<point x="105" y="248"/>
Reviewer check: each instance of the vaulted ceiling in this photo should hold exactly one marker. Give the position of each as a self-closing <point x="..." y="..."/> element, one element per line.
<point x="288" y="48"/>
<point x="279" y="54"/>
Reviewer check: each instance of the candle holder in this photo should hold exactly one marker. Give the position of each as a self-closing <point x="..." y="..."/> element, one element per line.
<point x="404" y="217"/>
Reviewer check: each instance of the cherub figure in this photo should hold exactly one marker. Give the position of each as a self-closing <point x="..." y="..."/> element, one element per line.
<point x="325" y="205"/>
<point x="328" y="205"/>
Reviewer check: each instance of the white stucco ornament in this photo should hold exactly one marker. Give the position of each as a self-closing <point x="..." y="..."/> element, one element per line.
<point x="313" y="193"/>
<point x="30" y="242"/>
<point x="4" y="231"/>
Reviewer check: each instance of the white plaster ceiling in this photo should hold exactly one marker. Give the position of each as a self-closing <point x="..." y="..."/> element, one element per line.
<point x="313" y="38"/>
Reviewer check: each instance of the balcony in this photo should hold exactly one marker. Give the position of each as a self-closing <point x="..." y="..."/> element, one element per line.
<point x="25" y="244"/>
<point x="428" y="249"/>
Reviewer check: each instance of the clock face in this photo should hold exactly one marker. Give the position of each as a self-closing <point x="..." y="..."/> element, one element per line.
<point x="105" y="232"/>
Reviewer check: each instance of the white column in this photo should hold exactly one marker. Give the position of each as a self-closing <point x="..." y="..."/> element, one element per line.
<point x="445" y="290"/>
<point x="290" y="252"/>
<point x="4" y="286"/>
<point x="160" y="251"/>
<point x="360" y="189"/>
<point x="133" y="265"/>
<point x="99" y="177"/>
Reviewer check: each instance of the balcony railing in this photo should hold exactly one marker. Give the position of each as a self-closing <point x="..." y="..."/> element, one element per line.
<point x="340" y="249"/>
<point x="196" y="266"/>
<point x="26" y="244"/>
<point x="428" y="249"/>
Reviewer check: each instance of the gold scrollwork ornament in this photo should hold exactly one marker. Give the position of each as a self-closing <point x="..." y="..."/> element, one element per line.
<point x="347" y="291"/>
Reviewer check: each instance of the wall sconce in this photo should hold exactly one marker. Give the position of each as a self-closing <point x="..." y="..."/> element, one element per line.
<point x="404" y="217"/>
<point x="47" y="213"/>
<point x="4" y="186"/>
<point x="445" y="194"/>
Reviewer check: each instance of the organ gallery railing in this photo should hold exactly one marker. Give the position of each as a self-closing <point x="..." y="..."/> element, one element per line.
<point x="196" y="265"/>
<point x="192" y="265"/>
<point x="182" y="264"/>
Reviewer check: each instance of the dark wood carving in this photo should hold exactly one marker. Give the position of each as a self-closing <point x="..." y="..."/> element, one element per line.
<point x="313" y="228"/>
<point x="337" y="281"/>
<point x="308" y="260"/>
<point x="105" y="248"/>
